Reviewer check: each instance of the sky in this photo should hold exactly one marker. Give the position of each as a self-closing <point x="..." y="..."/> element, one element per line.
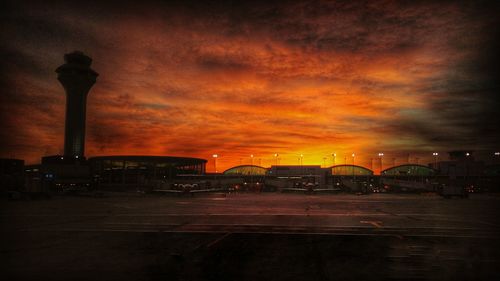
<point x="235" y="78"/>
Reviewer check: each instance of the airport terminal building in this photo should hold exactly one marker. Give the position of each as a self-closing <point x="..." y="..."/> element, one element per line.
<point x="125" y="172"/>
<point x="130" y="171"/>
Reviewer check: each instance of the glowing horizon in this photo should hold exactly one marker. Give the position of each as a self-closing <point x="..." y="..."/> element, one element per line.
<point x="253" y="78"/>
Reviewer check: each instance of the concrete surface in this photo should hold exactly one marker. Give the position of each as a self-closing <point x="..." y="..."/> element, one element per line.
<point x="268" y="236"/>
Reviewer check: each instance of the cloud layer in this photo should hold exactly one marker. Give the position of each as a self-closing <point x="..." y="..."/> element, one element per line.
<point x="240" y="78"/>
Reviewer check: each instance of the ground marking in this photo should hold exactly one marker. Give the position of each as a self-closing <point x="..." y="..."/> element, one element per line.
<point x="377" y="224"/>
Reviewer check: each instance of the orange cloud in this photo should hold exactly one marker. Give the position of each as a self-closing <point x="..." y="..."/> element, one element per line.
<point x="253" y="79"/>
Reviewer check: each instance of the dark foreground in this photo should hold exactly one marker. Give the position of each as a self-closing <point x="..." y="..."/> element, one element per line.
<point x="252" y="237"/>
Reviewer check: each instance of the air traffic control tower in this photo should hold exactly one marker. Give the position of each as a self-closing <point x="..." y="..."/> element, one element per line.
<point x="77" y="78"/>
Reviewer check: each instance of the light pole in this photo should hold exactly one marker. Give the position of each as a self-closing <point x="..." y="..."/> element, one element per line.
<point x="334" y="155"/>
<point x="380" y="155"/>
<point x="215" y="156"/>
<point x="276" y="158"/>
<point x="215" y="162"/>
<point x="324" y="161"/>
<point x="251" y="171"/>
<point x="300" y="161"/>
<point x="435" y="154"/>
<point x="353" y="155"/>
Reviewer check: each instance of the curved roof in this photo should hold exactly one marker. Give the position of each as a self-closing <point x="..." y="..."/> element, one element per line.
<point x="409" y="170"/>
<point x="145" y="158"/>
<point x="350" y="170"/>
<point x="246" y="170"/>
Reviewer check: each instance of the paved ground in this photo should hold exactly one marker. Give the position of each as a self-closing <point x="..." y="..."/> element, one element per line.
<point x="252" y="237"/>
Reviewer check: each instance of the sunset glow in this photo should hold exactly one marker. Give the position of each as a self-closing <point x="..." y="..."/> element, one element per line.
<point x="235" y="80"/>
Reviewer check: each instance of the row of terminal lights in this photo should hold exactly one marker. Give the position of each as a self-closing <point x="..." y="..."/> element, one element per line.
<point x="76" y="157"/>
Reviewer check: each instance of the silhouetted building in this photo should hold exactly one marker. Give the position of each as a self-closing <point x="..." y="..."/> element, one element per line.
<point x="409" y="170"/>
<point x="126" y="172"/>
<point x="461" y="164"/>
<point x="304" y="173"/>
<point x="11" y="174"/>
<point x="296" y="170"/>
<point x="77" y="78"/>
<point x="461" y="155"/>
<point x="71" y="170"/>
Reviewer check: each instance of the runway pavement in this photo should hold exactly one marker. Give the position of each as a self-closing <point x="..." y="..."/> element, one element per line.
<point x="281" y="236"/>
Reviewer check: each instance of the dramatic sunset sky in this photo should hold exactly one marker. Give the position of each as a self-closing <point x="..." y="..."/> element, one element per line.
<point x="256" y="77"/>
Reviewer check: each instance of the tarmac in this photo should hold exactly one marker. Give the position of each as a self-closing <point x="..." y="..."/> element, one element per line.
<point x="249" y="236"/>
